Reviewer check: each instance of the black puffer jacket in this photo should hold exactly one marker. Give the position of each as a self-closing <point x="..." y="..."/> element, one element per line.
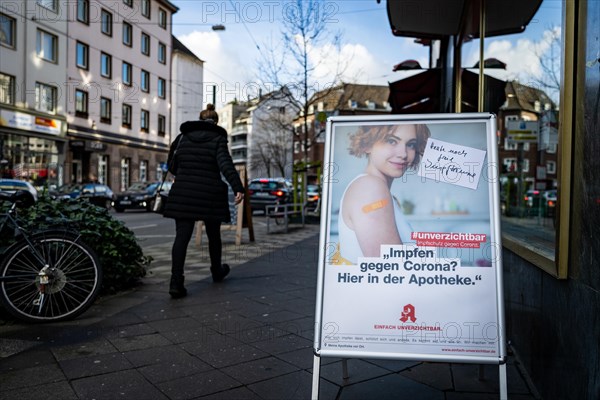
<point x="199" y="193"/>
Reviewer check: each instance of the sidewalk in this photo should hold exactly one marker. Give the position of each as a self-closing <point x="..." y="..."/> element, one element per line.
<point x="249" y="337"/>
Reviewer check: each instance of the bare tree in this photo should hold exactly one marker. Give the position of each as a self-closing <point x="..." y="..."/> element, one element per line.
<point x="293" y="61"/>
<point x="271" y="150"/>
<point x="549" y="56"/>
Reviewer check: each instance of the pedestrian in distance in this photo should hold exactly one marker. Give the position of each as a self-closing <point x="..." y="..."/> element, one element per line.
<point x="370" y="215"/>
<point x="197" y="158"/>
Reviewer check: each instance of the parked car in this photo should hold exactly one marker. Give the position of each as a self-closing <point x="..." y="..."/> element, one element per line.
<point x="96" y="193"/>
<point x="140" y="195"/>
<point x="313" y="197"/>
<point x="269" y="191"/>
<point x="546" y="200"/>
<point x="12" y="185"/>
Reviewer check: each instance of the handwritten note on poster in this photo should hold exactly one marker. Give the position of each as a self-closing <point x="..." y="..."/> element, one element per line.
<point x="452" y="163"/>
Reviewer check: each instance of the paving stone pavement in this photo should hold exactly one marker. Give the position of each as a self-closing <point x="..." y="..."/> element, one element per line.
<point x="249" y="337"/>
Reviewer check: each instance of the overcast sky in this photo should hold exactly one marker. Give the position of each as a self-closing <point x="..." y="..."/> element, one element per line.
<point x="231" y="56"/>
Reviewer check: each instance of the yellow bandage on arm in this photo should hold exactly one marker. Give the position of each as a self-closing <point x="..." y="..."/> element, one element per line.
<point x="375" y="206"/>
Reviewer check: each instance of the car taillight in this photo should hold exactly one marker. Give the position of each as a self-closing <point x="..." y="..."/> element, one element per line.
<point x="550" y="203"/>
<point x="278" y="193"/>
<point x="250" y="191"/>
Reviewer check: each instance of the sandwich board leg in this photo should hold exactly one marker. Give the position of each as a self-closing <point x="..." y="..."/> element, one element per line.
<point x="345" y="375"/>
<point x="316" y="376"/>
<point x="503" y="383"/>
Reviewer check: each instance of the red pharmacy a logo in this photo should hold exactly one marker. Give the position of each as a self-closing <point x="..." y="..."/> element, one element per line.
<point x="408" y="313"/>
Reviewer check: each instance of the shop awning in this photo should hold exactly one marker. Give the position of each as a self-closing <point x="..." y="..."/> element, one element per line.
<point x="436" y="19"/>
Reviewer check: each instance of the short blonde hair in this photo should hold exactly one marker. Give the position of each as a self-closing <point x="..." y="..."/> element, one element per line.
<point x="363" y="140"/>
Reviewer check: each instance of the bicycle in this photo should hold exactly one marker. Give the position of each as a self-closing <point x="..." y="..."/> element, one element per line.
<point x="45" y="276"/>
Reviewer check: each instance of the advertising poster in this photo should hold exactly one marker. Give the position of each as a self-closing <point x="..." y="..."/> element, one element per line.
<point x="410" y="263"/>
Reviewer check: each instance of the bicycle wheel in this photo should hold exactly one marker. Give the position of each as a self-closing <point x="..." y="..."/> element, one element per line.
<point x="74" y="277"/>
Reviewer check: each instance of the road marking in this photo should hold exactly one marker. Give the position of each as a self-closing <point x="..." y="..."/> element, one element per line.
<point x="143" y="226"/>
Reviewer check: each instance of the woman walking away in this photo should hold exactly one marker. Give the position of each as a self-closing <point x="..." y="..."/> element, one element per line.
<point x="197" y="158"/>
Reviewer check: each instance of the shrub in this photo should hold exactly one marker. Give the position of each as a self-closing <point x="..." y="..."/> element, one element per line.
<point x="122" y="259"/>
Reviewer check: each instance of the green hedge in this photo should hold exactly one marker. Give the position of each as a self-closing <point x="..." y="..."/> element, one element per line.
<point x="123" y="261"/>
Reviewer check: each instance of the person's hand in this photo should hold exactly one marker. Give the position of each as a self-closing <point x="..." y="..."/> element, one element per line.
<point x="239" y="196"/>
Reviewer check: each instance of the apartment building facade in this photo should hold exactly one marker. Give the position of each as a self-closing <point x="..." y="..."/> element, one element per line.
<point x="118" y="74"/>
<point x="33" y="60"/>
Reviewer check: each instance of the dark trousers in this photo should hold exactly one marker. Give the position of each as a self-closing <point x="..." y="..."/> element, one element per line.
<point x="184" y="228"/>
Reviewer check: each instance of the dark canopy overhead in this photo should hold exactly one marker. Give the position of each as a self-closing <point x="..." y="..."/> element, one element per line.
<point x="439" y="18"/>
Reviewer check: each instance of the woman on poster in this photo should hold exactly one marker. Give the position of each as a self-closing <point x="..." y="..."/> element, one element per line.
<point x="370" y="215"/>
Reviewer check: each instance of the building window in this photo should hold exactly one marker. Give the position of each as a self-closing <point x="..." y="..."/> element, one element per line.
<point x="83" y="11"/>
<point x="551" y="167"/>
<point x="82" y="55"/>
<point x="7" y="89"/>
<point x="162" y="18"/>
<point x="145" y="44"/>
<point x="128" y="3"/>
<point x="47" y="46"/>
<point x="126" y="116"/>
<point x="145" y="121"/>
<point x="552" y="148"/>
<point x="127" y="34"/>
<point x="105" y="65"/>
<point x="106" y="23"/>
<point x="49" y="4"/>
<point x="162" y="53"/>
<point x="145" y="7"/>
<point x="161" y="89"/>
<point x="105" y="110"/>
<point x="145" y="81"/>
<point x="510" y="164"/>
<point x="125" y="162"/>
<point x="7" y="30"/>
<point x="509" y="145"/>
<point x="143" y="171"/>
<point x="45" y="98"/>
<point x="126" y="73"/>
<point x="525" y="165"/>
<point x="81" y="103"/>
<point x="162" y="125"/>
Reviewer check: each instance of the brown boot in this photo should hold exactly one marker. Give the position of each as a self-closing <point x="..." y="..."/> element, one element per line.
<point x="176" y="288"/>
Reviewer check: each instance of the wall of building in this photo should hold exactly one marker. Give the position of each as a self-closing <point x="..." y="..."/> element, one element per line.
<point x="187" y="91"/>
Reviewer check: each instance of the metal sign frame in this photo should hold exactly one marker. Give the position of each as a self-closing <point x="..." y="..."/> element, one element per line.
<point x="364" y="306"/>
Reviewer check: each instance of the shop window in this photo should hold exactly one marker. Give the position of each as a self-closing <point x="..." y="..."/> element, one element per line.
<point x="143" y="171"/>
<point x="7" y="31"/>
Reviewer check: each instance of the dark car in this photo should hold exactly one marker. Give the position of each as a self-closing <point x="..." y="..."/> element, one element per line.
<point x="96" y="193"/>
<point x="313" y="197"/>
<point x="140" y="195"/>
<point x="269" y="191"/>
